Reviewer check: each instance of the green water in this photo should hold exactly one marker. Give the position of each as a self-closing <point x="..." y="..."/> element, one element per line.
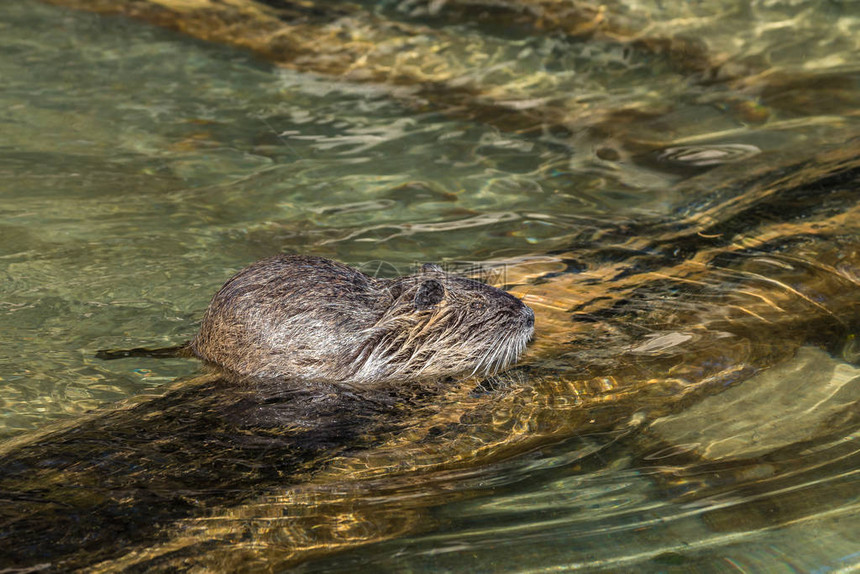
<point x="139" y="169"/>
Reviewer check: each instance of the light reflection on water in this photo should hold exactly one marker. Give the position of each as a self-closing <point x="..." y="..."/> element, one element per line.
<point x="139" y="169"/>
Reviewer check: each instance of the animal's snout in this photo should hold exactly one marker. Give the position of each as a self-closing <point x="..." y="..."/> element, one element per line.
<point x="528" y="316"/>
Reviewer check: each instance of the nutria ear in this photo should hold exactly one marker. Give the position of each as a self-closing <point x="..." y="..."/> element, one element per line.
<point x="429" y="294"/>
<point x="430" y="267"/>
<point x="395" y="289"/>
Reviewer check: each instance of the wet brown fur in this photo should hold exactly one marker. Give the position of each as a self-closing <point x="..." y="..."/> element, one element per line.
<point x="314" y="319"/>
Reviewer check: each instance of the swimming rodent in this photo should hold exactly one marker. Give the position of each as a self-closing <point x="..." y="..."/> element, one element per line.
<point x="310" y="318"/>
<point x="121" y="480"/>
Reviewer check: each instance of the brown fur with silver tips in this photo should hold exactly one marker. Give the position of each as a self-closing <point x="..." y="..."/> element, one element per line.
<point x="314" y="319"/>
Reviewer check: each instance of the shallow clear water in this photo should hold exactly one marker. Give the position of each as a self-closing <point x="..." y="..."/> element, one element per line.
<point x="140" y="168"/>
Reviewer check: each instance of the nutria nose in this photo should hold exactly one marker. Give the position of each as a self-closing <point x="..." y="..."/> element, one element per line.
<point x="528" y="315"/>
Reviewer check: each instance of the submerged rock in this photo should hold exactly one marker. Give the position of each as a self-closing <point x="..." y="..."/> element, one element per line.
<point x="808" y="397"/>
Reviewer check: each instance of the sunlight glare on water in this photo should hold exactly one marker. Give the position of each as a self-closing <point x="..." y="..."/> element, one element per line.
<point x="685" y="231"/>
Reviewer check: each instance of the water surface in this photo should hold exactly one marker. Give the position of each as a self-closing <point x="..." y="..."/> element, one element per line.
<point x="140" y="168"/>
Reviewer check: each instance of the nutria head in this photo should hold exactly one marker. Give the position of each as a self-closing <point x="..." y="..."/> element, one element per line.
<point x="314" y="319"/>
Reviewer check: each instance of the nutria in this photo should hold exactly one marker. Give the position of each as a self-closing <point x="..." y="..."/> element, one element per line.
<point x="310" y="318"/>
<point x="120" y="478"/>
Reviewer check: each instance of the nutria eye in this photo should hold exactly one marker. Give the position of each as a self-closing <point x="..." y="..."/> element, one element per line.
<point x="429" y="294"/>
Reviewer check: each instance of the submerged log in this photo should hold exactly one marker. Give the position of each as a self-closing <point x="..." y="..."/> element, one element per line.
<point x="94" y="489"/>
<point x="437" y="68"/>
<point x="633" y="324"/>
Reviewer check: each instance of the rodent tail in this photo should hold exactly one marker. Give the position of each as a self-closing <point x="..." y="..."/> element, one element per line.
<point x="179" y="351"/>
